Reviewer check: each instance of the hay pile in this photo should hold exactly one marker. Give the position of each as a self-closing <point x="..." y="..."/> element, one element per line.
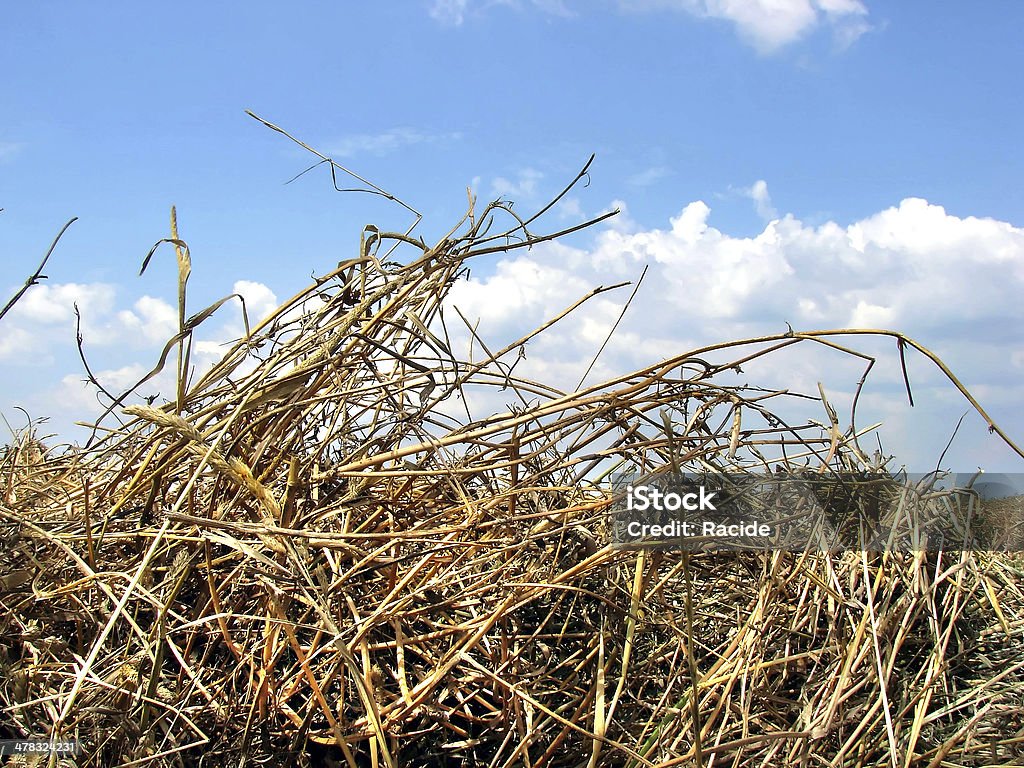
<point x="308" y="558"/>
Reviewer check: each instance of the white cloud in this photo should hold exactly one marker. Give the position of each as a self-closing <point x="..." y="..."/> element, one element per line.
<point x="868" y="315"/>
<point x="385" y="142"/>
<point x="622" y="222"/>
<point x="571" y="208"/>
<point x="39" y="333"/>
<point x="768" y="25"/>
<point x="952" y="283"/>
<point x="17" y="343"/>
<point x="154" y="319"/>
<point x="758" y="192"/>
<point x="772" y="24"/>
<point x="53" y="303"/>
<point x="260" y="301"/>
<point x="75" y="396"/>
<point x="213" y="341"/>
<point x="46" y="313"/>
<point x="523" y="187"/>
<point x="449" y="11"/>
<point x="518" y="286"/>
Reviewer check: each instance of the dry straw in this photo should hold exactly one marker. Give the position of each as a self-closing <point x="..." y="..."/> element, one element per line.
<point x="308" y="558"/>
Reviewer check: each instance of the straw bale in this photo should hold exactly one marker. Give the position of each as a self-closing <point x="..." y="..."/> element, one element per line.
<point x="306" y="559"/>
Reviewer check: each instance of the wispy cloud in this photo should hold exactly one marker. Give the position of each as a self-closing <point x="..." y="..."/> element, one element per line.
<point x="649" y="176"/>
<point x="758" y="192"/>
<point x="571" y="208"/>
<point x="454" y="12"/>
<point x="386" y="142"/>
<point x="449" y="11"/>
<point x="769" y="25"/>
<point x="8" y="149"/>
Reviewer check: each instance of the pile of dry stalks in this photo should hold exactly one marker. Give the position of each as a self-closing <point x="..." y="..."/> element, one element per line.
<point x="307" y="559"/>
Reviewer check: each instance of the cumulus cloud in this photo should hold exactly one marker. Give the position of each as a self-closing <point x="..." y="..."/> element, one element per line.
<point x="46" y="314"/>
<point x="622" y="222"/>
<point x="260" y="301"/>
<point x="37" y="337"/>
<point x="154" y="319"/>
<point x="16" y="343"/>
<point x="53" y="303"/>
<point x="216" y="336"/>
<point x="519" y="286"/>
<point x="951" y="282"/>
<point x="75" y="396"/>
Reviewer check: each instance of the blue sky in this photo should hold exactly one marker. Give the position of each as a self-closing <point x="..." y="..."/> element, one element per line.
<point x="831" y="143"/>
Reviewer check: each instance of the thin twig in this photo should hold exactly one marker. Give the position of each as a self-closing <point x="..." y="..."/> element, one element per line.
<point x="38" y="275"/>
